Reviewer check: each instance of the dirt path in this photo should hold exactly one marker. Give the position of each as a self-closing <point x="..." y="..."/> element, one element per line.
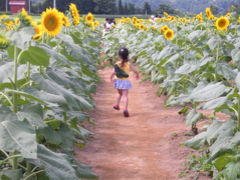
<point x="142" y="147"/>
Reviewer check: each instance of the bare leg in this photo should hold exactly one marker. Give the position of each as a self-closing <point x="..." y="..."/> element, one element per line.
<point x="125" y="97"/>
<point x="120" y="93"/>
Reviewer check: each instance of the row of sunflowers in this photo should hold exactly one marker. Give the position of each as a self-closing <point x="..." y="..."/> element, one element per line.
<point x="48" y="75"/>
<point x="221" y="23"/>
<point x="195" y="61"/>
<point x="51" y="23"/>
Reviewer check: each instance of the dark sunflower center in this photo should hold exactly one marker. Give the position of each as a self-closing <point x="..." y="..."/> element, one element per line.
<point x="222" y="23"/>
<point x="51" y="23"/>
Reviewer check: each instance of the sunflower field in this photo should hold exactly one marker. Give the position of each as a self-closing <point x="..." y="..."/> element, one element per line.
<point x="195" y="62"/>
<point x="48" y="74"/>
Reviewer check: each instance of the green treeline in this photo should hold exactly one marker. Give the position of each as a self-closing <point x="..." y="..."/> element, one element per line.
<point x="95" y="6"/>
<point x="102" y="7"/>
<point x="125" y="7"/>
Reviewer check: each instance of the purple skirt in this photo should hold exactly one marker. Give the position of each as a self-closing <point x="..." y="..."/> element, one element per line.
<point x="122" y="84"/>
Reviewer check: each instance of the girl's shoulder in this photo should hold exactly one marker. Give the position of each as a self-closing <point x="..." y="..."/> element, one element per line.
<point x="119" y="63"/>
<point x="128" y="63"/>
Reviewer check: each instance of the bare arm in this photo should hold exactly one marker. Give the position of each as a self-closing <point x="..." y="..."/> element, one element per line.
<point x="135" y="71"/>
<point x="112" y="75"/>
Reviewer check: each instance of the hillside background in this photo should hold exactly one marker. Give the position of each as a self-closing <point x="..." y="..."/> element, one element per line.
<point x="193" y="6"/>
<point x="133" y="7"/>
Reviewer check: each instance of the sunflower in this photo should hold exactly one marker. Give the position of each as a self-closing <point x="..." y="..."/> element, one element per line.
<point x="92" y="26"/>
<point x="128" y="19"/>
<point x="35" y="23"/>
<point x="4" y="16"/>
<point x="136" y="21"/>
<point x="52" y="21"/>
<point x="96" y="23"/>
<point x="238" y="20"/>
<point x="75" y="14"/>
<point x="136" y="26"/>
<point x="164" y="28"/>
<point x="209" y="13"/>
<point x="153" y="27"/>
<point x="146" y="28"/>
<point x="165" y="14"/>
<point x="65" y="20"/>
<point x="25" y="19"/>
<point x="38" y="29"/>
<point x="199" y="17"/>
<point x="39" y="32"/>
<point x="4" y="42"/>
<point x="16" y="20"/>
<point x="141" y="26"/>
<point x="89" y="18"/>
<point x="134" y="18"/>
<point x="9" y="23"/>
<point x="37" y="36"/>
<point x="228" y="14"/>
<point x="222" y="23"/>
<point x="24" y="12"/>
<point x="169" y="34"/>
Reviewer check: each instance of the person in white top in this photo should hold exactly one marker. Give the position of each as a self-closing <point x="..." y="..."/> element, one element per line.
<point x="108" y="25"/>
<point x="152" y="19"/>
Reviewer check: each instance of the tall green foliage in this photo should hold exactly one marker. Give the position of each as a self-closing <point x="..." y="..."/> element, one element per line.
<point x="45" y="93"/>
<point x="166" y="8"/>
<point x="120" y="7"/>
<point x="193" y="6"/>
<point x="105" y="6"/>
<point x="147" y="8"/>
<point x="84" y="6"/>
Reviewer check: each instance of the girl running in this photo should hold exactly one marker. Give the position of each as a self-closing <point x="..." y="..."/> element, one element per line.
<point x="121" y="81"/>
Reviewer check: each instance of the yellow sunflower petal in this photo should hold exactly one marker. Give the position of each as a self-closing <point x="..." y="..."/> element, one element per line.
<point x="75" y="14"/>
<point x="52" y="22"/>
<point x="169" y="34"/>
<point x="4" y="42"/>
<point x="222" y="23"/>
<point x="89" y="18"/>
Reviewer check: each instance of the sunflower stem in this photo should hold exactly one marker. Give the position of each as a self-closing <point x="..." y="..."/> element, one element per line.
<point x="217" y="55"/>
<point x="33" y="174"/>
<point x="28" y="167"/>
<point x="15" y="72"/>
<point x="28" y="71"/>
<point x="15" y="97"/>
<point x="41" y="70"/>
<point x="14" y="161"/>
<point x="238" y="114"/>
<point x="14" y="105"/>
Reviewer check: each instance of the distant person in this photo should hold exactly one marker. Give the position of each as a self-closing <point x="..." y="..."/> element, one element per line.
<point x="107" y="24"/>
<point x="112" y="22"/>
<point x="121" y="80"/>
<point x="157" y="17"/>
<point x="152" y="19"/>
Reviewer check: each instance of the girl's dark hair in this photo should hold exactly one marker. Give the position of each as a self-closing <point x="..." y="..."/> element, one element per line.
<point x="123" y="53"/>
